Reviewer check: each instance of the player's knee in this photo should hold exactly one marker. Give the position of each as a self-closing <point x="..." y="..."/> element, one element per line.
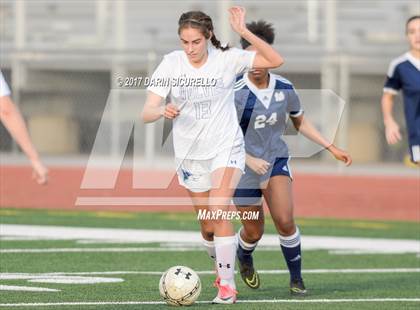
<point x="286" y="227"/>
<point x="253" y="234"/>
<point x="207" y="235"/>
<point x="221" y="226"/>
<point x="207" y="230"/>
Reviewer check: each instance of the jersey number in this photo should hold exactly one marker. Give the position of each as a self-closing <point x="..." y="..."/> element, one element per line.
<point x="202" y="109"/>
<point x="261" y="120"/>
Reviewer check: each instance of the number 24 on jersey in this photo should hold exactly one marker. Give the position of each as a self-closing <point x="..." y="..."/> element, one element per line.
<point x="262" y="120"/>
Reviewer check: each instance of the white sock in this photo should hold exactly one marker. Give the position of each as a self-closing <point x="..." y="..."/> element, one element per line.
<point x="209" y="245"/>
<point x="225" y="258"/>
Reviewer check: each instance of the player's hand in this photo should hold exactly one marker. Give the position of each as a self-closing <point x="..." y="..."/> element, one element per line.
<point x="40" y="172"/>
<point x="340" y="155"/>
<point x="392" y="132"/>
<point x="170" y="111"/>
<point x="237" y="19"/>
<point x="258" y="165"/>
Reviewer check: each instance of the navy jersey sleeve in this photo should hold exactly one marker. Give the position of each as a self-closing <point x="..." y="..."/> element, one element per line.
<point x="294" y="108"/>
<point x="393" y="80"/>
<point x="244" y="103"/>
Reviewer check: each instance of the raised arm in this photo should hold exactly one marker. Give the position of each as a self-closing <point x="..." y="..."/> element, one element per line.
<point x="266" y="56"/>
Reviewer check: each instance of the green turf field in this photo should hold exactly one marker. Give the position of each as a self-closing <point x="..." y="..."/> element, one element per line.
<point x="334" y="281"/>
<point x="188" y="221"/>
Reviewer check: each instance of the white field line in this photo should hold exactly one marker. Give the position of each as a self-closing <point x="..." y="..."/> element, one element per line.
<point x="22" y="276"/>
<point x="26" y="288"/>
<point x="98" y="250"/>
<point x="105" y="303"/>
<point x="194" y="237"/>
<point x="73" y="279"/>
<point x="116" y="249"/>
<point x="365" y="252"/>
<point x="169" y="249"/>
<point x="144" y="201"/>
<point x="27" y="238"/>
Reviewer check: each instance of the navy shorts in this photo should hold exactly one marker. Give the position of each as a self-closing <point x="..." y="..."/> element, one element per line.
<point x="248" y="191"/>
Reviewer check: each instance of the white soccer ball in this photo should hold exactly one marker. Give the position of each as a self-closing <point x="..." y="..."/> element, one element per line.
<point x="180" y="286"/>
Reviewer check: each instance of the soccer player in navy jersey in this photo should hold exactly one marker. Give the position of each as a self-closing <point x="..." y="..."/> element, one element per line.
<point x="264" y="101"/>
<point x="404" y="74"/>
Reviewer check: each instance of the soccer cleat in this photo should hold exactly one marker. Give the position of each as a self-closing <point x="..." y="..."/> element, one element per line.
<point x="249" y="274"/>
<point x="409" y="163"/>
<point x="226" y="295"/>
<point x="297" y="287"/>
<point x="216" y="282"/>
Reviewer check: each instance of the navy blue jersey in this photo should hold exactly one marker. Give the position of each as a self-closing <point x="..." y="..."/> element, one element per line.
<point x="263" y="113"/>
<point x="404" y="74"/>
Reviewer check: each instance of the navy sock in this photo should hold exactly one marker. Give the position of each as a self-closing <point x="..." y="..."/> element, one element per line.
<point x="290" y="247"/>
<point x="245" y="250"/>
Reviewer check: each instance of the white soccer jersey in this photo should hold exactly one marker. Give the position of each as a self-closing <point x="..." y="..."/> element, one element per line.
<point x="207" y="122"/>
<point x="4" y="88"/>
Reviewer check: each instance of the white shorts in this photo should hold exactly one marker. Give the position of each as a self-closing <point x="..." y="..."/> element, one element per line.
<point x="195" y="175"/>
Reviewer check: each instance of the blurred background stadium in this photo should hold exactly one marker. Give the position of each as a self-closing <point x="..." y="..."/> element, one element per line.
<point x="63" y="59"/>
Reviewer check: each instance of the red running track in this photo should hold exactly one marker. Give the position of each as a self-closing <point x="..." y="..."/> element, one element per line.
<point x="325" y="196"/>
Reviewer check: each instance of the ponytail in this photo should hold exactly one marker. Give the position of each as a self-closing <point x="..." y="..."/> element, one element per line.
<point x="203" y="22"/>
<point x="216" y="43"/>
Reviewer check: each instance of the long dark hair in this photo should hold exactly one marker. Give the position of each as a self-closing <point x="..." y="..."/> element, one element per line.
<point x="202" y="22"/>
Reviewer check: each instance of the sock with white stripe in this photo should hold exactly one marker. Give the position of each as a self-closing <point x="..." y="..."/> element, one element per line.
<point x="225" y="258"/>
<point x="245" y="250"/>
<point x="290" y="246"/>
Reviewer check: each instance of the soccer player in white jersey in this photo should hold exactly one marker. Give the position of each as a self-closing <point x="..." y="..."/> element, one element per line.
<point x="14" y="123"/>
<point x="208" y="142"/>
<point x="404" y="74"/>
<point x="264" y="101"/>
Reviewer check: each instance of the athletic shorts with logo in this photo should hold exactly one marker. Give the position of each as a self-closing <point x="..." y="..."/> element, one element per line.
<point x="195" y="175"/>
<point x="249" y="190"/>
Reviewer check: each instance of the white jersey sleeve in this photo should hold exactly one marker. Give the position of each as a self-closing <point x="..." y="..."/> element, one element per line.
<point x="161" y="78"/>
<point x="4" y="88"/>
<point x="242" y="60"/>
<point x="393" y="81"/>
